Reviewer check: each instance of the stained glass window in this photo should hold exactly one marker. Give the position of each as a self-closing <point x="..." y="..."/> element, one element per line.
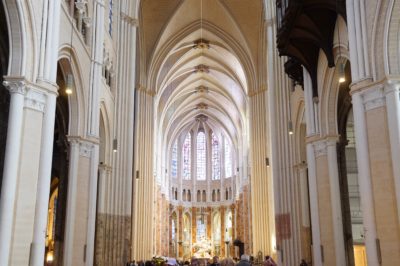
<point x="216" y="173"/>
<point x="187" y="146"/>
<point x="174" y="160"/>
<point x="228" y="160"/>
<point x="201" y="156"/>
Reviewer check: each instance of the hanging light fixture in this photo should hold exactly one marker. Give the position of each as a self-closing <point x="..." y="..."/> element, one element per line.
<point x="115" y="145"/>
<point x="69" y="85"/>
<point x="342" y="77"/>
<point x="70" y="78"/>
<point x="290" y="128"/>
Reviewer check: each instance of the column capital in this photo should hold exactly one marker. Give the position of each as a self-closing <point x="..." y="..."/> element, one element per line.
<point x="392" y="86"/>
<point x="16" y="85"/>
<point x="301" y="166"/>
<point x="320" y="148"/>
<point x="130" y="20"/>
<point x="86" y="146"/>
<point x="374" y="97"/>
<point x="332" y="140"/>
<point x="105" y="167"/>
<point x="321" y="144"/>
<point x="35" y="99"/>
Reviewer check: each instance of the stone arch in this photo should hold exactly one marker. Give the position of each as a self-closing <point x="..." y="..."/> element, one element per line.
<point x="328" y="83"/>
<point x="17" y="15"/>
<point x="70" y="64"/>
<point x="161" y="55"/>
<point x="391" y="39"/>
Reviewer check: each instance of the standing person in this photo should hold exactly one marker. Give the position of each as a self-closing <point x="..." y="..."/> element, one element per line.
<point x="215" y="261"/>
<point x="244" y="260"/>
<point x="269" y="261"/>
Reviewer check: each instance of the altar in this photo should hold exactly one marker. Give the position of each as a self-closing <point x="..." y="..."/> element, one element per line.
<point x="202" y="249"/>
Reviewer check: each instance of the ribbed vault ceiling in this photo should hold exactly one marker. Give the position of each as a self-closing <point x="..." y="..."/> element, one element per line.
<point x="199" y="57"/>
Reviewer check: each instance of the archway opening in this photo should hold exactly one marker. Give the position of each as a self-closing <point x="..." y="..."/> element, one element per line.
<point x="348" y="178"/>
<point x="59" y="176"/>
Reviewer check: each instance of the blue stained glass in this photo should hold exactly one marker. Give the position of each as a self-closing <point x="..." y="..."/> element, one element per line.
<point x="216" y="173"/>
<point x="201" y="156"/>
<point x="174" y="160"/>
<point x="228" y="160"/>
<point x="187" y="145"/>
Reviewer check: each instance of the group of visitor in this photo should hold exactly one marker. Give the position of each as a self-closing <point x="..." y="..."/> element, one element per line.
<point x="245" y="260"/>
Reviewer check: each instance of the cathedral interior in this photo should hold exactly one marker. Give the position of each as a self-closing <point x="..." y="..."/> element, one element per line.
<point x="188" y="129"/>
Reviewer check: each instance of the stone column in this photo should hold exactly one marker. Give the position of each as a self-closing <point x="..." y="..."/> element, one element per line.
<point x="222" y="242"/>
<point x="78" y="198"/>
<point x="180" y="232"/>
<point x="194" y="222"/>
<point x="305" y="212"/>
<point x="44" y="180"/>
<point x="335" y="200"/>
<point x="46" y="82"/>
<point x="313" y="190"/>
<point x="261" y="200"/>
<point x="209" y="220"/>
<point x="364" y="175"/>
<point x="143" y="197"/>
<point x="392" y="93"/>
<point x="101" y="217"/>
<point x="71" y="199"/>
<point x="232" y="248"/>
<point x="17" y="90"/>
<point x="130" y="225"/>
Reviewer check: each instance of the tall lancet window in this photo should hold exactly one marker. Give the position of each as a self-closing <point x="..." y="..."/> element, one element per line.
<point x="187" y="146"/>
<point x="216" y="171"/>
<point x="228" y="159"/>
<point x="174" y="160"/>
<point x="201" y="156"/>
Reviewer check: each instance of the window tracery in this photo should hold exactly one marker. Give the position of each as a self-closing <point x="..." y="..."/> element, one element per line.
<point x="187" y="146"/>
<point x="174" y="160"/>
<point x="228" y="159"/>
<point x="216" y="167"/>
<point x="201" y="156"/>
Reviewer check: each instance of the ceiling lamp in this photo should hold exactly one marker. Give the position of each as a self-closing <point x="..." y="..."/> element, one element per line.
<point x="69" y="85"/>
<point x="342" y="77"/>
<point x="290" y="128"/>
<point x="115" y="145"/>
<point x="70" y="79"/>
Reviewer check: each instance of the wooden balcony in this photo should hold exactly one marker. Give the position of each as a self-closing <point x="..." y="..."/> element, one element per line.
<point x="305" y="27"/>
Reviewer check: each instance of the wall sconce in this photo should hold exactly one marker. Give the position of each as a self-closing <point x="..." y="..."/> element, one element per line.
<point x="115" y="145"/>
